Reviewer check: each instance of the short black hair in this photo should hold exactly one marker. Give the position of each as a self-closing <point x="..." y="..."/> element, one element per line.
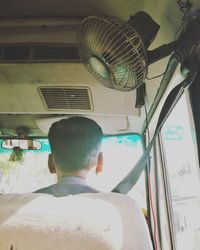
<point x="75" y="143"/>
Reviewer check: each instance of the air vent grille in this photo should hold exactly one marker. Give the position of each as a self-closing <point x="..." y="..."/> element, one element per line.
<point x="66" y="98"/>
<point x="55" y="52"/>
<point x="16" y="53"/>
<point x="10" y="53"/>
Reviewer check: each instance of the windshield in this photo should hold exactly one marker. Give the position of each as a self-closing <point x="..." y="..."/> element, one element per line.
<point x="30" y="171"/>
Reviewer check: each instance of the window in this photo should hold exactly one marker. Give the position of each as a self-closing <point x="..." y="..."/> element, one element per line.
<point x="27" y="174"/>
<point x="121" y="152"/>
<point x="180" y="149"/>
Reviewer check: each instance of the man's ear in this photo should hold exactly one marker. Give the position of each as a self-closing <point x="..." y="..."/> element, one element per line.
<point x="99" y="167"/>
<point x="51" y="164"/>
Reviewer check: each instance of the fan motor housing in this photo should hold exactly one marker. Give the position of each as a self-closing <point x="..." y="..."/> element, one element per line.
<point x="145" y="26"/>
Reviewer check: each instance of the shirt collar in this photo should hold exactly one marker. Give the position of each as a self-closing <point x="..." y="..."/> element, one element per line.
<point x="71" y="179"/>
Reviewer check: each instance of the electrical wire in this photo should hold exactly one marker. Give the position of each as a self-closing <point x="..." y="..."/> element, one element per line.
<point x="157" y="76"/>
<point x="149" y="184"/>
<point x="146" y="121"/>
<point x="153" y="214"/>
<point x="185" y="8"/>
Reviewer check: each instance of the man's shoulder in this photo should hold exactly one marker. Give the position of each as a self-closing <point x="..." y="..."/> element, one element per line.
<point x="46" y="190"/>
<point x="87" y="189"/>
<point x="64" y="189"/>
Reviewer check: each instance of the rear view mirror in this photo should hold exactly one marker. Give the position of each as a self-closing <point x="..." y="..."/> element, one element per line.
<point x="21" y="143"/>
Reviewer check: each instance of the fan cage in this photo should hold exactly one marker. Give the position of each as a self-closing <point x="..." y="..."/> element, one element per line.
<point x="118" y="46"/>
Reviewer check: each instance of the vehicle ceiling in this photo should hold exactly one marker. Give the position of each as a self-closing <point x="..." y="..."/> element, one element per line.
<point x="165" y="12"/>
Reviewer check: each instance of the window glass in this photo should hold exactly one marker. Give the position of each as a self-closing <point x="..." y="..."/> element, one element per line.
<point x="180" y="150"/>
<point x="31" y="172"/>
<point x="121" y="153"/>
<point x="26" y="174"/>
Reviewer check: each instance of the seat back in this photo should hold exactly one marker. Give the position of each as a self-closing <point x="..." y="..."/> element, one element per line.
<point x="100" y="221"/>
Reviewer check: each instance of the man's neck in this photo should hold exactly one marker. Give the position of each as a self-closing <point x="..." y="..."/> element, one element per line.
<point x="81" y="174"/>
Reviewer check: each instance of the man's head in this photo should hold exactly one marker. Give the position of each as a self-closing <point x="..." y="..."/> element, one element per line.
<point x="75" y="144"/>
